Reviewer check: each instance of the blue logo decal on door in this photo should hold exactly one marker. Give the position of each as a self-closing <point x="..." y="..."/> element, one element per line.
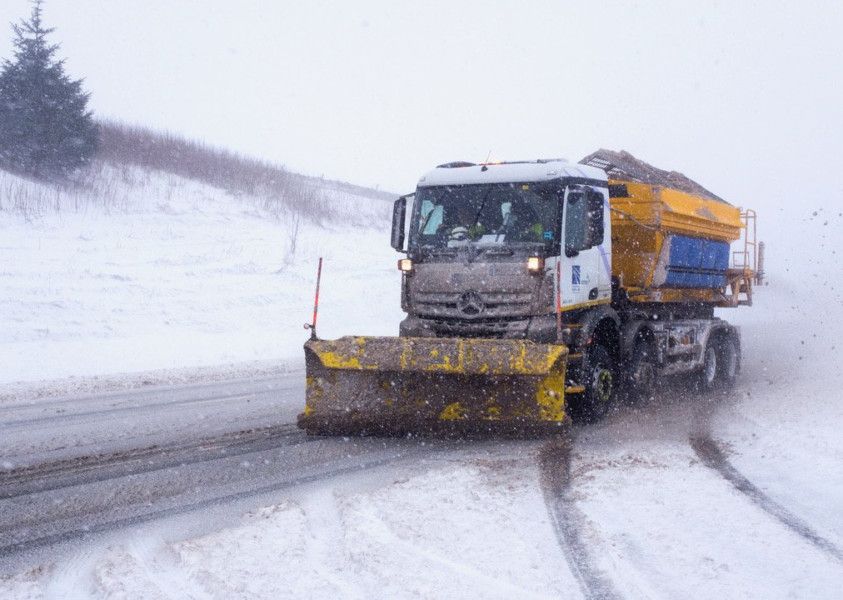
<point x="575" y="275"/>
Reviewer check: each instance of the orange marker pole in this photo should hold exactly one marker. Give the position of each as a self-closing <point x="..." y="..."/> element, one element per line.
<point x="312" y="324"/>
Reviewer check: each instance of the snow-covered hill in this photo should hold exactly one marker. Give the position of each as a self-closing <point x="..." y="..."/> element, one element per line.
<point x="135" y="268"/>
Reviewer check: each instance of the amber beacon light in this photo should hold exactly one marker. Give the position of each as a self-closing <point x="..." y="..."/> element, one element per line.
<point x="535" y="264"/>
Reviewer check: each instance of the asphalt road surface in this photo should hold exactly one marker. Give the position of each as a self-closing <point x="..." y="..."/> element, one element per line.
<point x="77" y="468"/>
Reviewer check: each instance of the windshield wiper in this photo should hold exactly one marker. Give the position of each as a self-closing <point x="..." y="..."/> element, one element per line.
<point x="423" y="226"/>
<point x="504" y="227"/>
<point x="498" y="251"/>
<point x="439" y="251"/>
<point x="482" y="206"/>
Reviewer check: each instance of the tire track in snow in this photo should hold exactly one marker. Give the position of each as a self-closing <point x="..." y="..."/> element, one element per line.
<point x="325" y="544"/>
<point x="160" y="566"/>
<point x="88" y="416"/>
<point x="286" y="483"/>
<point x="380" y="529"/>
<point x="96" y="468"/>
<point x="555" y="469"/>
<point x="142" y="394"/>
<point x="713" y="456"/>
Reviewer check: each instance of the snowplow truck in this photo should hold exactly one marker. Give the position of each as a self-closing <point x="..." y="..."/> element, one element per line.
<point x="540" y="290"/>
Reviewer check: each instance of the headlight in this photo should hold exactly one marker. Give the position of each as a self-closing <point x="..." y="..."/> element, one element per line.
<point x="405" y="265"/>
<point x="535" y="264"/>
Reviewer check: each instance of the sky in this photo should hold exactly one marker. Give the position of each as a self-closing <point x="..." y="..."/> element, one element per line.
<point x="745" y="97"/>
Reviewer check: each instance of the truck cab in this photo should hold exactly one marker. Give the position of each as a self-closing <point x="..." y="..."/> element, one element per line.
<point x="500" y="250"/>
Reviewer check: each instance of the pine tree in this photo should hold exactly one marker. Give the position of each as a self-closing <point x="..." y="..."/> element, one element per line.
<point x="46" y="128"/>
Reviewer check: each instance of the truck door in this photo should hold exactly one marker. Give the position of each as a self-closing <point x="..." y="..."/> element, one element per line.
<point x="585" y="261"/>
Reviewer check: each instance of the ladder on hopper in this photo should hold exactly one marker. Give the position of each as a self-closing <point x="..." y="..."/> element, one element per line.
<point x="746" y="265"/>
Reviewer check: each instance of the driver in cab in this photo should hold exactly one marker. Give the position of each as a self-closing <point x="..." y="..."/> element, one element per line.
<point x="520" y="224"/>
<point x="462" y="224"/>
<point x="524" y="224"/>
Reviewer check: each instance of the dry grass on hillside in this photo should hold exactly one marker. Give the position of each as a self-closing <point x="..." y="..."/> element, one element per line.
<point x="129" y="152"/>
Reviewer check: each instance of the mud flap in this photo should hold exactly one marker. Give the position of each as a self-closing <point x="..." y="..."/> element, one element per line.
<point x="360" y="385"/>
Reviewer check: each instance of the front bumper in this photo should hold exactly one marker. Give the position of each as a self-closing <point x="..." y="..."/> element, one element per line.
<point x="540" y="329"/>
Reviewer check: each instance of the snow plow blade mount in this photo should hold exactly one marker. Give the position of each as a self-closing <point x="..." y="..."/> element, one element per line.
<point x="377" y="385"/>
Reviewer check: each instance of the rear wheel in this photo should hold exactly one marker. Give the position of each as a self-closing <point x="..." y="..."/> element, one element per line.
<point x="641" y="373"/>
<point x="707" y="376"/>
<point x="728" y="362"/>
<point x="600" y="381"/>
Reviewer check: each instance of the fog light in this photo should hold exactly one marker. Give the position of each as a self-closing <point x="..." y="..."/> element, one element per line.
<point x="405" y="265"/>
<point x="535" y="264"/>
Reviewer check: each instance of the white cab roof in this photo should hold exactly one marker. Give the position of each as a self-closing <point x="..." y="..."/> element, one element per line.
<point x="510" y="172"/>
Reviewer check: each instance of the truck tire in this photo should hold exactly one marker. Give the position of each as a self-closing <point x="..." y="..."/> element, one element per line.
<point x="599" y="377"/>
<point x="641" y="373"/>
<point x="706" y="377"/>
<point x="728" y="362"/>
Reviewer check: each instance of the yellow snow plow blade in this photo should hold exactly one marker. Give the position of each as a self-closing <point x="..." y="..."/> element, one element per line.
<point x="360" y="385"/>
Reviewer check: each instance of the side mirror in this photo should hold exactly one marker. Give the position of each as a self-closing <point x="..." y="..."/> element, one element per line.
<point x="399" y="212"/>
<point x="584" y="220"/>
<point x="594" y="220"/>
<point x="574" y="226"/>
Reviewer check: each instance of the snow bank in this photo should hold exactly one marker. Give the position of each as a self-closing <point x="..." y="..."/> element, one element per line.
<point x="665" y="526"/>
<point x="181" y="275"/>
<point x="417" y="537"/>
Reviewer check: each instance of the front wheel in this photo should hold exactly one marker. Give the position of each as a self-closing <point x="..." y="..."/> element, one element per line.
<point x="600" y="381"/>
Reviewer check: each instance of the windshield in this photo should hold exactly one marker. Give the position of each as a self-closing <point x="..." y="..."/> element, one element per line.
<point x="498" y="214"/>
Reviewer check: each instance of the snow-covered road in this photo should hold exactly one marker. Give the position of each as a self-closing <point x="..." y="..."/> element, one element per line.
<point x="77" y="468"/>
<point x="36" y="431"/>
<point x="140" y="493"/>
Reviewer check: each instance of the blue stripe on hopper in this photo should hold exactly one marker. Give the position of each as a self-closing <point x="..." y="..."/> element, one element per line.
<point x="697" y="263"/>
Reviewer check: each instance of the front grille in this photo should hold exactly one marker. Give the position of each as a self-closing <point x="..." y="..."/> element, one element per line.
<point x="495" y="305"/>
<point x="509" y="328"/>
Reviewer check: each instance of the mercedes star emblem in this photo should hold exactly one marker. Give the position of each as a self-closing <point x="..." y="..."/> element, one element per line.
<point x="470" y="303"/>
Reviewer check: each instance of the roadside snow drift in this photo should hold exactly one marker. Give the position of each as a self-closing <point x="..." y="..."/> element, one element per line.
<point x="181" y="274"/>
